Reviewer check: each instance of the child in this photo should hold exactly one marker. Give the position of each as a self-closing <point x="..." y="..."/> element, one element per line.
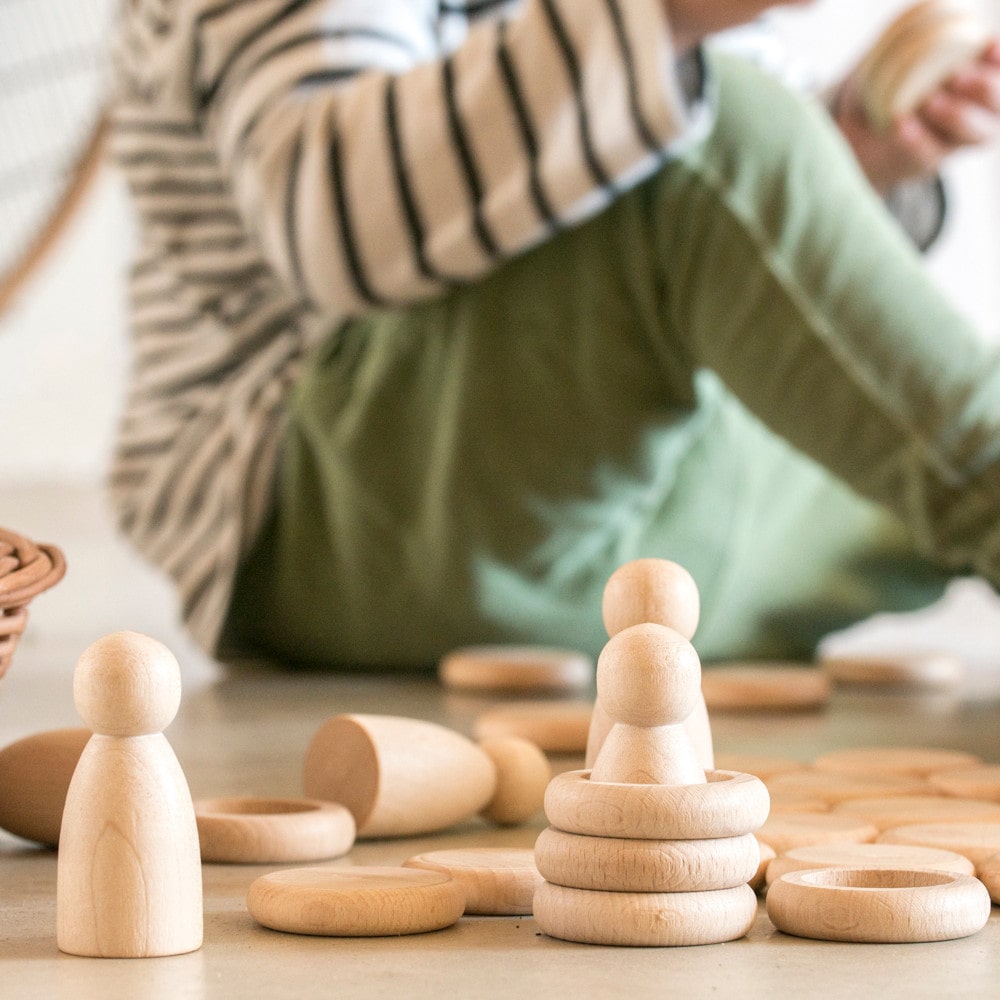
<point x="444" y="311"/>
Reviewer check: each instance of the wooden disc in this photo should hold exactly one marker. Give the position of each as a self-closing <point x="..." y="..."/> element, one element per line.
<point x="988" y="872"/>
<point x="786" y="832"/>
<point x="913" y="761"/>
<point x="904" y="670"/>
<point x="762" y="766"/>
<point x="523" y="774"/>
<point x="356" y="902"/>
<point x="249" y="830"/>
<point x="878" y="905"/>
<point x="971" y="783"/>
<point x="833" y="788"/>
<point x="868" y="856"/>
<point x="728" y="804"/>
<point x="756" y="687"/>
<point x="615" y="864"/>
<point x="557" y="727"/>
<point x="759" y="881"/>
<point x="515" y="668"/>
<point x="906" y="810"/>
<point x="977" y="841"/>
<point x="653" y="919"/>
<point x="498" y="881"/>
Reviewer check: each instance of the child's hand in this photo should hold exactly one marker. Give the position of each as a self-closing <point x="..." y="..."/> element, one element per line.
<point x="964" y="111"/>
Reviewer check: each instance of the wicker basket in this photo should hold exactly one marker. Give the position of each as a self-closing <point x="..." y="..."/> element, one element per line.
<point x="26" y="569"/>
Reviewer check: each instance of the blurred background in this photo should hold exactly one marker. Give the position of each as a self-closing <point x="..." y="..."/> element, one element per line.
<point x="64" y="355"/>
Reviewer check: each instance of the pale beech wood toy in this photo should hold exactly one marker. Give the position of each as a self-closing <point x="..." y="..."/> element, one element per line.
<point x="831" y="787"/>
<point x="917" y="671"/>
<point x="650" y="919"/>
<point x="988" y="872"/>
<point x="728" y="804"/>
<point x="868" y="856"/>
<point x="977" y="841"/>
<point x="882" y="906"/>
<point x="761" y="765"/>
<point x="498" y="881"/>
<point x="907" y="810"/>
<point x="648" y="683"/>
<point x="764" y="687"/>
<point x="26" y="569"/>
<point x="557" y="727"/>
<point x="356" y="902"/>
<point x="515" y="668"/>
<point x="759" y="881"/>
<point x="786" y="832"/>
<point x="660" y="592"/>
<point x="918" y="52"/>
<point x="791" y="804"/>
<point x="919" y="762"/>
<point x="523" y="774"/>
<point x="981" y="782"/>
<point x="631" y="865"/>
<point x="35" y="773"/>
<point x="129" y="867"/>
<point x="251" y="830"/>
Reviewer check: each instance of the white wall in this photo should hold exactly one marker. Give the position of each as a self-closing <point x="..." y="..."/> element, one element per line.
<point x="63" y="350"/>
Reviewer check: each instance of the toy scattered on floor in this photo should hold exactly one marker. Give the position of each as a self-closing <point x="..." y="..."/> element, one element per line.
<point x="644" y="849"/>
<point x="526" y="669"/>
<point x="924" y="46"/>
<point x="26" y="569"/>
<point x="129" y="867"/>
<point x="401" y="776"/>
<point x="772" y="687"/>
<point x="558" y="727"/>
<point x="917" y="671"/>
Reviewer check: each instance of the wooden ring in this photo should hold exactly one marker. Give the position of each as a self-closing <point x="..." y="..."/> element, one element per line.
<point x="650" y="919"/>
<point x="883" y="906"/>
<point x="729" y="804"/>
<point x="614" y="864"/>
<point x="248" y="830"/>
<point x="356" y="902"/>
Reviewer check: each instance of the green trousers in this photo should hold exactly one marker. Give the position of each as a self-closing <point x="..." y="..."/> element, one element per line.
<point x="718" y="369"/>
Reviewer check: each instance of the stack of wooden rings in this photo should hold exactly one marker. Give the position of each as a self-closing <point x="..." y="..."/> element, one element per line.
<point x="26" y="569"/>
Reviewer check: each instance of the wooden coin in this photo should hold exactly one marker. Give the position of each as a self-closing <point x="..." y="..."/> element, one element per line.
<point x="755" y="687"/>
<point x="913" y="761"/>
<point x="906" y="810"/>
<point x="615" y="864"/>
<point x="557" y="727"/>
<point x="35" y="773"/>
<point x="786" y="832"/>
<point x="929" y="671"/>
<point x="726" y="805"/>
<point x="831" y="788"/>
<point x="977" y="841"/>
<point x="249" y="830"/>
<point x="988" y="872"/>
<point x="878" y="905"/>
<point x="356" y="902"/>
<point x="868" y="856"/>
<point x="515" y="668"/>
<point x="981" y="782"/>
<point x="498" y="881"/>
<point x="652" y="919"/>
<point x="762" y="766"/>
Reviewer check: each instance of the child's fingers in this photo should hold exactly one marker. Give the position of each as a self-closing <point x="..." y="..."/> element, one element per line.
<point x="958" y="121"/>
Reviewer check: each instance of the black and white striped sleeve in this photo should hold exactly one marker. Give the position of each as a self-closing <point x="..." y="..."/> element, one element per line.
<point x="379" y="165"/>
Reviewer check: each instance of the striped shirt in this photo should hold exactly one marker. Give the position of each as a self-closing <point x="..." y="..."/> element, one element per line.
<point x="293" y="163"/>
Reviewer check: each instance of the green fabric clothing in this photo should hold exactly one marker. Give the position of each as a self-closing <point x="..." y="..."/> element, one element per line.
<point x="740" y="365"/>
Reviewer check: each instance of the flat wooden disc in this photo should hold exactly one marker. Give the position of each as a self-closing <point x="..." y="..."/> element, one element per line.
<point x="973" y="783"/>
<point x="906" y="810"/>
<point x="652" y="919"/>
<point x="249" y="830"/>
<point x="356" y="902"/>
<point x="868" y="856"/>
<point x="754" y="687"/>
<point x="989" y="874"/>
<point x="914" y="761"/>
<point x="767" y="855"/>
<point x="554" y="726"/>
<point x="977" y="841"/>
<point x="762" y="766"/>
<point x="831" y="788"/>
<point x="904" y="670"/>
<point x="786" y="832"/>
<point x="515" y="668"/>
<point x="498" y="881"/>
<point x="878" y="905"/>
